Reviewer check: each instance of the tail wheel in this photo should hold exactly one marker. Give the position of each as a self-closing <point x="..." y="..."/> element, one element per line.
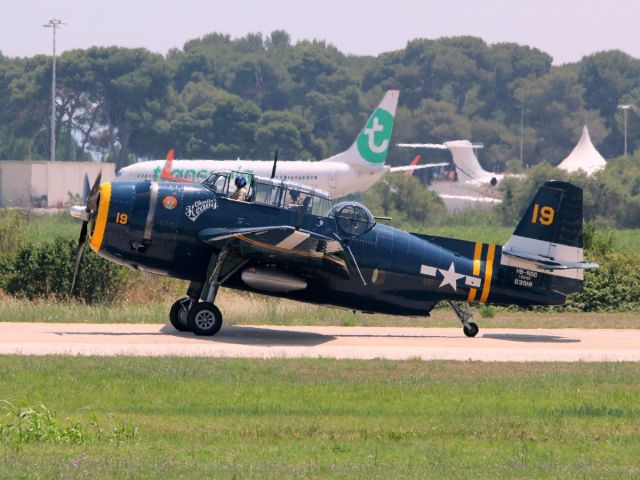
<point x="472" y="330"/>
<point x="179" y="313"/>
<point x="204" y="319"/>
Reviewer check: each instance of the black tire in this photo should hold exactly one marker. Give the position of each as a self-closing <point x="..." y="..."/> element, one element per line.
<point x="204" y="319"/>
<point x="472" y="331"/>
<point x="179" y="313"/>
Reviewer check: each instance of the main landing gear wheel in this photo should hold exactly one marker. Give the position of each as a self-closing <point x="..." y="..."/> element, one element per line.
<point x="204" y="319"/>
<point x="178" y="314"/>
<point x="472" y="330"/>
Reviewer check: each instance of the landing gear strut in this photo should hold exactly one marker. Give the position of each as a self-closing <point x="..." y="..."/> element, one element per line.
<point x="202" y="318"/>
<point x="470" y="329"/>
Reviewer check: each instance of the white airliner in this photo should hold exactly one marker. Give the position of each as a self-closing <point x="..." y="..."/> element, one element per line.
<point x="354" y="170"/>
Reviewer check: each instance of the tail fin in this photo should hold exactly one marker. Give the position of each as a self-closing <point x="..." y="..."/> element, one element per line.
<point x="166" y="169"/>
<point x="466" y="162"/>
<point x="166" y="174"/>
<point x="369" y="151"/>
<point x="549" y="238"/>
<point x="410" y="171"/>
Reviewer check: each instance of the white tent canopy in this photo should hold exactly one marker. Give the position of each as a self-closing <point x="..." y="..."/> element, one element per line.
<point x="584" y="156"/>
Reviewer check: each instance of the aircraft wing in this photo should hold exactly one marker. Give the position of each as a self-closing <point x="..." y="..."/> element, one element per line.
<point x="470" y="198"/>
<point x="417" y="167"/>
<point x="437" y="146"/>
<point x="283" y="244"/>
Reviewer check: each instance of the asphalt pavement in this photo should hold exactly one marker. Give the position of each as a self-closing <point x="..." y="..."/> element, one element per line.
<point x="497" y="344"/>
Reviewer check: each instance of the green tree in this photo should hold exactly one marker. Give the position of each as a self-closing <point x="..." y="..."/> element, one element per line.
<point x="607" y="77"/>
<point x="404" y="199"/>
<point x="211" y="123"/>
<point x="126" y="85"/>
<point x="554" y="107"/>
<point x="288" y="133"/>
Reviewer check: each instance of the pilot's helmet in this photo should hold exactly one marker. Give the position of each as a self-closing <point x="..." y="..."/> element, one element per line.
<point x="240" y="182"/>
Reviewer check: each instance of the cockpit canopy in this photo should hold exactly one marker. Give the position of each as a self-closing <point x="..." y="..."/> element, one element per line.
<point x="353" y="218"/>
<point x="272" y="192"/>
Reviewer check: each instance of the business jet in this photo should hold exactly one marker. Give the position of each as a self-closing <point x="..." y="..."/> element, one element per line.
<point x="354" y="170"/>
<point x="474" y="184"/>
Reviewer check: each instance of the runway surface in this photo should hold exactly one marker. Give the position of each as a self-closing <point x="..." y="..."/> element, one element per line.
<point x="520" y="345"/>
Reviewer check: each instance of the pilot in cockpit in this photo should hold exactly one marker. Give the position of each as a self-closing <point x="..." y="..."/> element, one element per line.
<point x="242" y="191"/>
<point x="295" y="199"/>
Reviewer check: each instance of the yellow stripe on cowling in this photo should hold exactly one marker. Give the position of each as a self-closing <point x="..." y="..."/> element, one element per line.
<point x="488" y="273"/>
<point x="95" y="239"/>
<point x="477" y="260"/>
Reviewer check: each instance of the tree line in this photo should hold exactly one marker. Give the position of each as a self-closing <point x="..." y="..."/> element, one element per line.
<point x="221" y="98"/>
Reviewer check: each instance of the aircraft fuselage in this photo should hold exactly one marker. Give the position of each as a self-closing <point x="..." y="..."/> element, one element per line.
<point x="399" y="273"/>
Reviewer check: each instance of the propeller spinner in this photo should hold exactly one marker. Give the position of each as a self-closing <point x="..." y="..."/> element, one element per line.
<point x="85" y="213"/>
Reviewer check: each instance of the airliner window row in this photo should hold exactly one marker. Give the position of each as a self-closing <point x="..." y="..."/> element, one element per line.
<point x="281" y="177"/>
<point x="297" y="177"/>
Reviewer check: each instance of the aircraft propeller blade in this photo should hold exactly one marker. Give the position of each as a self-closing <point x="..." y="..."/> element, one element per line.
<point x="92" y="203"/>
<point x="85" y="188"/>
<point x="80" y="250"/>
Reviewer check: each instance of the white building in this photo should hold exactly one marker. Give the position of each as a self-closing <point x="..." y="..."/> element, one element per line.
<point x="46" y="184"/>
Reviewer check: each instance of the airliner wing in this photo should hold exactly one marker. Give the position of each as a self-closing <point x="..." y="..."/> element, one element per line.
<point x="470" y="198"/>
<point x="417" y="167"/>
<point x="437" y="146"/>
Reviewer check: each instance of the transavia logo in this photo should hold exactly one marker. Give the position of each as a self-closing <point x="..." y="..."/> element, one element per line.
<point x="373" y="142"/>
<point x="198" y="207"/>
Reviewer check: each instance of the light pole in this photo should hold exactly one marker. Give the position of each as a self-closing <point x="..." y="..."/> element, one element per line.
<point x="625" y="108"/>
<point x="522" y="134"/>
<point x="53" y="24"/>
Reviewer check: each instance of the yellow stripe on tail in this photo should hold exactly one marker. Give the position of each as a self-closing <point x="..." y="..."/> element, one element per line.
<point x="477" y="260"/>
<point x="488" y="273"/>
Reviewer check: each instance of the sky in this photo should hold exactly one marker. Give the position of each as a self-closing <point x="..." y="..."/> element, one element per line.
<point x="566" y="29"/>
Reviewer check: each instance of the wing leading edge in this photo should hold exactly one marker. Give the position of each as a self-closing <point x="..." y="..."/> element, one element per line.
<point x="283" y="244"/>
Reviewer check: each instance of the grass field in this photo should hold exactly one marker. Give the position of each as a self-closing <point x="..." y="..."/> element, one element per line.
<point x="252" y="309"/>
<point x="206" y="418"/>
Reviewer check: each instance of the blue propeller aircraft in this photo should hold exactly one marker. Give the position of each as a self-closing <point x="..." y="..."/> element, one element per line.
<point x="285" y="239"/>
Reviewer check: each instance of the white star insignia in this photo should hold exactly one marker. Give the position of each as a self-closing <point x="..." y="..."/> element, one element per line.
<point x="450" y="277"/>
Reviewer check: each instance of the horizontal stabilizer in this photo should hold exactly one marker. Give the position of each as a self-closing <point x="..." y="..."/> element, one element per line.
<point x="546" y="263"/>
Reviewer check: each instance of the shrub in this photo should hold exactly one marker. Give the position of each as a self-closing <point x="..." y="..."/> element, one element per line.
<point x="12" y="227"/>
<point x="46" y="270"/>
<point x="612" y="287"/>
